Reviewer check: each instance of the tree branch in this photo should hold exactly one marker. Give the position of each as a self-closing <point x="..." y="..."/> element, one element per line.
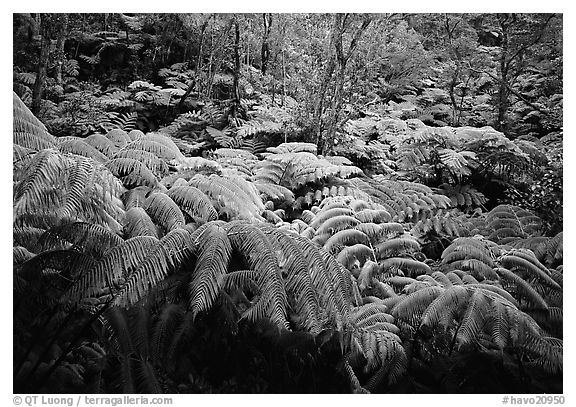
<point x="511" y="90"/>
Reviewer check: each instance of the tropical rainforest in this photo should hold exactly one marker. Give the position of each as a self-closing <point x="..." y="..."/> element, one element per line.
<point x="287" y="203"/>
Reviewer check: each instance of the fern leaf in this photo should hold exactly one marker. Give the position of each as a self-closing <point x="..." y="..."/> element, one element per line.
<point x="76" y="145"/>
<point x="132" y="172"/>
<point x="411" y="307"/>
<point x="413" y="266"/>
<point x="395" y="246"/>
<point x="514" y="262"/>
<point x="343" y="238"/>
<point x="102" y="144"/>
<point x="523" y="288"/>
<point x="164" y="211"/>
<point x="118" y="261"/>
<point x="254" y="246"/>
<point x="214" y="252"/>
<point x="119" y="137"/>
<point x="138" y="223"/>
<point x="193" y="202"/>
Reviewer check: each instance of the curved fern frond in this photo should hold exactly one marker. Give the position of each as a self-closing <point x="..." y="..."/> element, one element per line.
<point x="88" y="237"/>
<point x="254" y="246"/>
<point x="193" y="202"/>
<point x="214" y="252"/>
<point x="132" y="172"/>
<point x="139" y="223"/>
<point x="115" y="264"/>
<point x="523" y="288"/>
<point x="167" y="255"/>
<point x="514" y="262"/>
<point x="28" y="131"/>
<point x="395" y="246"/>
<point x="414" y="267"/>
<point x="151" y="161"/>
<point x="119" y="137"/>
<point x="76" y="145"/>
<point x="345" y="237"/>
<point x="164" y="211"/>
<point x="102" y="144"/>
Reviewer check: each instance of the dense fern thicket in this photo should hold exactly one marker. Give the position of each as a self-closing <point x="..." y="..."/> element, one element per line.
<point x="211" y="226"/>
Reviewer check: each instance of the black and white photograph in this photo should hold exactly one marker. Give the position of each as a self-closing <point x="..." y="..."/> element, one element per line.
<point x="287" y="203"/>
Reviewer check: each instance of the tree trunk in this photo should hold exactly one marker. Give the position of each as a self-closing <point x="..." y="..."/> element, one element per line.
<point x="235" y="87"/>
<point x="60" y="42"/>
<point x="326" y="76"/>
<point x="265" y="52"/>
<point x="38" y="90"/>
<point x="341" y="22"/>
<point x="196" y="81"/>
<point x="503" y="93"/>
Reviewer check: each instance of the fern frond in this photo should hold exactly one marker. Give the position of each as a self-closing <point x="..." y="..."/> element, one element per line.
<point x="193" y="202"/>
<point x="139" y="223"/>
<point x="119" y="137"/>
<point x="88" y="237"/>
<point x="414" y="267"/>
<point x="395" y="246"/>
<point x="473" y="320"/>
<point x="254" y="246"/>
<point x="116" y="263"/>
<point x="151" y="161"/>
<point x="326" y="214"/>
<point x="411" y="308"/>
<point x="343" y="238"/>
<point x="164" y="211"/>
<point x="214" y="252"/>
<point x="102" y="144"/>
<point x="234" y="196"/>
<point x="355" y="254"/>
<point x="514" y="262"/>
<point x="132" y="172"/>
<point x="76" y="145"/>
<point x="167" y="255"/>
<point x="523" y="288"/>
<point x="445" y="307"/>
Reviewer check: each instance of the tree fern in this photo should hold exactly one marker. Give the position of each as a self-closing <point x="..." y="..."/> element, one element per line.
<point x="257" y="250"/>
<point x="233" y="196"/>
<point x="28" y="131"/>
<point x="412" y="267"/>
<point x="87" y="237"/>
<point x="117" y="263"/>
<point x="214" y="252"/>
<point x="102" y="144"/>
<point x="138" y="223"/>
<point x="132" y="172"/>
<point x="119" y="137"/>
<point x="193" y="202"/>
<point x="514" y="262"/>
<point x="170" y="252"/>
<point x="76" y="145"/>
<point x="164" y="211"/>
<point x="67" y="186"/>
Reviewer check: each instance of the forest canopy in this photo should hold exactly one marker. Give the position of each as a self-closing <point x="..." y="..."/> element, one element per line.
<point x="280" y="203"/>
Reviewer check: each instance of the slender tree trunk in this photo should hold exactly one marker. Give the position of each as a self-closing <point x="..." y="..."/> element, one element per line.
<point x="38" y="90"/>
<point x="283" y="79"/>
<point x="236" y="85"/>
<point x="60" y="42"/>
<point x="503" y="77"/>
<point x="326" y="76"/>
<point x="341" y="22"/>
<point x="265" y="52"/>
<point x="196" y="81"/>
